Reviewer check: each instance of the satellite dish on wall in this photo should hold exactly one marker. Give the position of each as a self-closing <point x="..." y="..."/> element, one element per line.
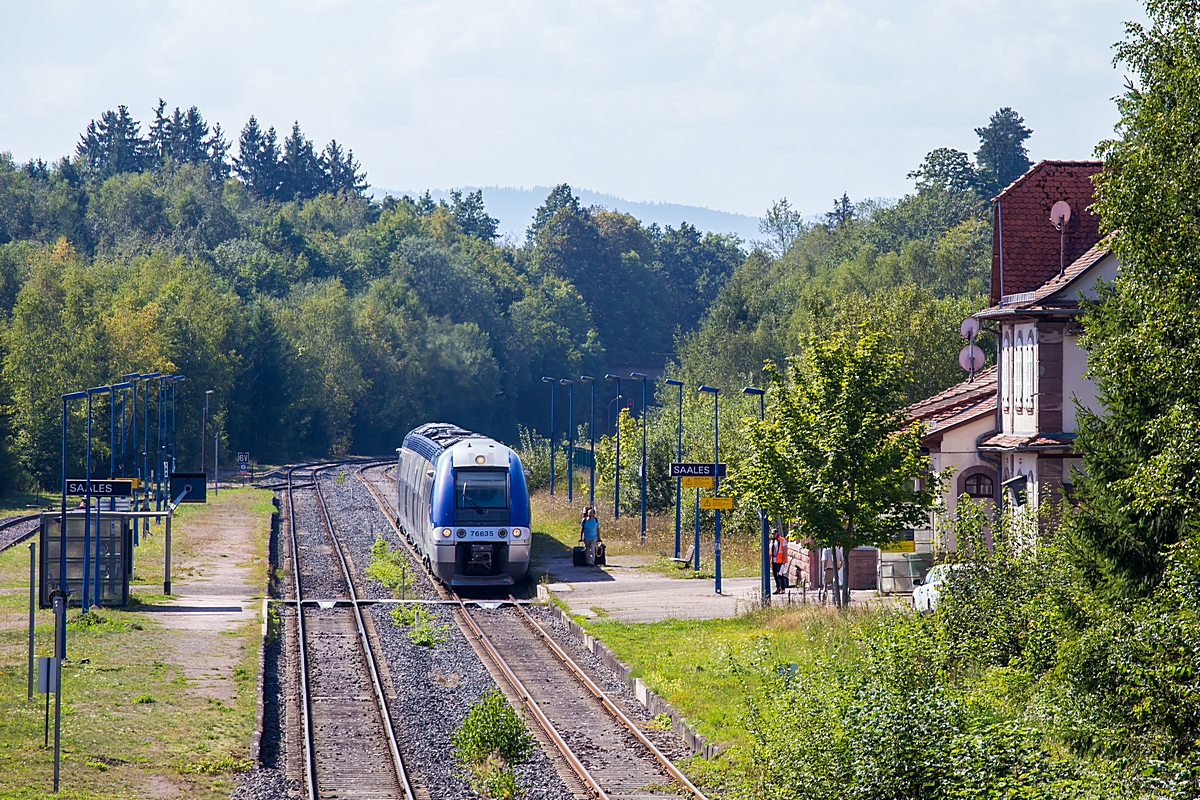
<point x="969" y="328"/>
<point x="972" y="359"/>
<point x="1060" y="214"/>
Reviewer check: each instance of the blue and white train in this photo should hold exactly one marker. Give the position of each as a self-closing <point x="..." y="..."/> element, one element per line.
<point x="464" y="505"/>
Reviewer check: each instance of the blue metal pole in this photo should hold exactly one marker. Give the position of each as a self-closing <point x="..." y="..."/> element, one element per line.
<point x="591" y="435"/>
<point x="551" y="382"/>
<point x="174" y="441"/>
<point x="644" y="476"/>
<point x="617" y="481"/>
<point x="678" y="458"/>
<point x="716" y="485"/>
<point x="62" y="522"/>
<point x="158" y="504"/>
<point x="716" y="482"/>
<point x="570" y="442"/>
<point x="87" y="509"/>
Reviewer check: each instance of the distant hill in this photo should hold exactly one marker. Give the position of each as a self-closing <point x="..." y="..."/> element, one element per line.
<point x="515" y="207"/>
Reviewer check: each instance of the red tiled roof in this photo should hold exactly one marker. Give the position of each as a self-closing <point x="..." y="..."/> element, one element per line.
<point x="1020" y="441"/>
<point x="958" y="404"/>
<point x="1036" y="298"/>
<point x="1024" y="239"/>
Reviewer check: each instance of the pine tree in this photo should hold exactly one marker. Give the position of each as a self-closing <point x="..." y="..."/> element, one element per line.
<point x="301" y="173"/>
<point x="472" y="218"/>
<point x="1139" y="491"/>
<point x="343" y="173"/>
<point x="112" y="146"/>
<point x="1002" y="157"/>
<point x="257" y="163"/>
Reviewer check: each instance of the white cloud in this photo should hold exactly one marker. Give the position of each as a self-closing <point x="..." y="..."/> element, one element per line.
<point x="718" y="104"/>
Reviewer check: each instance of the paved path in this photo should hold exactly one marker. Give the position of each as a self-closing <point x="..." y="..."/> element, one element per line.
<point x="626" y="592"/>
<point x="217" y="599"/>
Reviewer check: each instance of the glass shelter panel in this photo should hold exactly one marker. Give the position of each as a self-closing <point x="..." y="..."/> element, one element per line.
<point x="116" y="557"/>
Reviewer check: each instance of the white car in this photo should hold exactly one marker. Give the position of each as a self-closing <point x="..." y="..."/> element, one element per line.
<point x="926" y="592"/>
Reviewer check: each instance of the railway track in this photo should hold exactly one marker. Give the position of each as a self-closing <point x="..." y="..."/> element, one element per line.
<point x="349" y="744"/>
<point x="599" y="743"/>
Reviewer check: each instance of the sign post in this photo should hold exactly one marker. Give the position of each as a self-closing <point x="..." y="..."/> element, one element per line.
<point x="32" y="593"/>
<point x="243" y="465"/>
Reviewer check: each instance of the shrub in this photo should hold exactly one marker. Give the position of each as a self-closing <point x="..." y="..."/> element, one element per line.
<point x="489" y="742"/>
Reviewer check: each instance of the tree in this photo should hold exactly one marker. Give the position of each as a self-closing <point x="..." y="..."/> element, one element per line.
<point x="343" y="173"/>
<point x="946" y="170"/>
<point x="836" y="454"/>
<point x="111" y="146"/>
<point x="783" y="224"/>
<point x="301" y="173"/>
<point x="472" y="218"/>
<point x="257" y="162"/>
<point x="1140" y="491"/>
<point x="1002" y="157"/>
<point x="842" y="213"/>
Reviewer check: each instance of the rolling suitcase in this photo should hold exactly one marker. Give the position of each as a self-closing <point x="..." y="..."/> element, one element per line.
<point x="579" y="556"/>
<point x="600" y="560"/>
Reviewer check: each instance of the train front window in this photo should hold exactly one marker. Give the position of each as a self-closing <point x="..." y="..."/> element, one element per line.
<point x="481" y="489"/>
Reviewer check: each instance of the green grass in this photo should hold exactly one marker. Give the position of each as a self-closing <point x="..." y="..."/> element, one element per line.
<point x="689" y="662"/>
<point x="556" y="531"/>
<point x="130" y="727"/>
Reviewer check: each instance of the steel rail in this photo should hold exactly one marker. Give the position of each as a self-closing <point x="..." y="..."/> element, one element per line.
<point x="528" y="700"/>
<point x="380" y="698"/>
<point x="612" y="707"/>
<point x="543" y="721"/>
<point x="310" y="763"/>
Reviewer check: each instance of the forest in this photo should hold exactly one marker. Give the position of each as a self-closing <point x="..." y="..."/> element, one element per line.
<point x="326" y="321"/>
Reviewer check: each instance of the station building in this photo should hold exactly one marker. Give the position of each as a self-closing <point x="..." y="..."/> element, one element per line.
<point x="1009" y="435"/>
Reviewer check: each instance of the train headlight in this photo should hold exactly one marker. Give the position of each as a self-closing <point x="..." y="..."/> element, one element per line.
<point x="516" y="533"/>
<point x="461" y="533"/>
<point x="503" y="534"/>
<point x="445" y="533"/>
<point x="480" y="459"/>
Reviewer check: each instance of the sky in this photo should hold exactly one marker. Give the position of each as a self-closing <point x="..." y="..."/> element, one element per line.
<point x="727" y="106"/>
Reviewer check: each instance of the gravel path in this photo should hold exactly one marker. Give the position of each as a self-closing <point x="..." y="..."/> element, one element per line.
<point x="265" y="784"/>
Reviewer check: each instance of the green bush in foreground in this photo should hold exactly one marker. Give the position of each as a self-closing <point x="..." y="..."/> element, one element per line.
<point x="390" y="567"/>
<point x="1022" y="684"/>
<point x="489" y="742"/>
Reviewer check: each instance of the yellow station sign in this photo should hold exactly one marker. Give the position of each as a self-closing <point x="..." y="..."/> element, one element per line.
<point x="696" y="482"/>
<point x="899" y="547"/>
<point x="723" y="503"/>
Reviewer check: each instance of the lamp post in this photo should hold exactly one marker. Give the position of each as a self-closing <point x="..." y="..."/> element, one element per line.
<point x="762" y="515"/>
<point x="617" y="482"/>
<point x="204" y="429"/>
<point x="716" y="482"/>
<point x="132" y="379"/>
<point x="62" y="530"/>
<point x="551" y="382"/>
<point x="591" y="382"/>
<point x="570" y="384"/>
<point x="174" y="429"/>
<point x="678" y="458"/>
<point x="147" y="377"/>
<point x="637" y="376"/>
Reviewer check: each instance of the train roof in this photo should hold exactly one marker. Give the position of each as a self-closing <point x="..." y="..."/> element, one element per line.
<point x="434" y="438"/>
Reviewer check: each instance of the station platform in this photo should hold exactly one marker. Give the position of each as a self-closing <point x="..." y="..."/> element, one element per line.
<point x="625" y="591"/>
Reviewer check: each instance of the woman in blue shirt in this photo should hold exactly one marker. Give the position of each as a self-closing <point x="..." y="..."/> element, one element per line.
<point x="589" y="530"/>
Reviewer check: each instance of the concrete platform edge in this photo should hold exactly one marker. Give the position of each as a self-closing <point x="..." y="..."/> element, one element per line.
<point x="645" y="695"/>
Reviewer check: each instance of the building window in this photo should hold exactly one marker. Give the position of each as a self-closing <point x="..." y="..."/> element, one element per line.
<point x="980" y="485"/>
<point x="1006" y="374"/>
<point x="1029" y="372"/>
<point x="1019" y="373"/>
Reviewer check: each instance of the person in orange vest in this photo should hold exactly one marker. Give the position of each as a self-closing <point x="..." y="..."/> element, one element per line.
<point x="779" y="560"/>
